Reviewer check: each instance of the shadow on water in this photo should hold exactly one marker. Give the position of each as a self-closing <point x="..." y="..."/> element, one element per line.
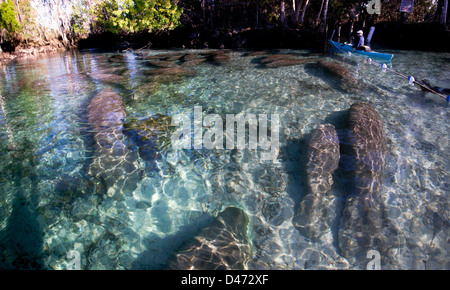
<point x="21" y="241"/>
<point x="295" y="157"/>
<point x="343" y="183"/>
<point x="160" y="249"/>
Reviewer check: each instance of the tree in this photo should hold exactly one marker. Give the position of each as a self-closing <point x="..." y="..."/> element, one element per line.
<point x="8" y="19"/>
<point x="444" y="12"/>
<point x="283" y="13"/>
<point x="302" y="19"/>
<point x="130" y="16"/>
<point x="8" y="26"/>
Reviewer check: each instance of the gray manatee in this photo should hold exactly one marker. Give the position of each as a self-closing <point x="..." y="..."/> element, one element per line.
<point x="314" y="215"/>
<point x="113" y="162"/>
<point x="342" y="74"/>
<point x="362" y="222"/>
<point x="223" y="245"/>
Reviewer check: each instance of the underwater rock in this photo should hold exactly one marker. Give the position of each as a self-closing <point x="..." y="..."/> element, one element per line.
<point x="223" y="245"/>
<point x="151" y="135"/>
<point x="313" y="217"/>
<point x="113" y="163"/>
<point x="345" y="77"/>
<point x="362" y="221"/>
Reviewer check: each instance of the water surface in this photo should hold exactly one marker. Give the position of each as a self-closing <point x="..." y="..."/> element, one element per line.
<point x="50" y="205"/>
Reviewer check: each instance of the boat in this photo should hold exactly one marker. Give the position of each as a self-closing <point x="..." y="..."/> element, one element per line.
<point x="345" y="48"/>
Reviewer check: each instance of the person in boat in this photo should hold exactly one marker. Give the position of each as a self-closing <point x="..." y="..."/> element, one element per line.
<point x="360" y="45"/>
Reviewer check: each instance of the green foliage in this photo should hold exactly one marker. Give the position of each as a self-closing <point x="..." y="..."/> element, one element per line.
<point x="137" y="15"/>
<point x="8" y="19"/>
<point x="82" y="17"/>
<point x="27" y="14"/>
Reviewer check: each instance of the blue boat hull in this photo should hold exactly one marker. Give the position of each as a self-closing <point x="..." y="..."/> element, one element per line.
<point x="343" y="48"/>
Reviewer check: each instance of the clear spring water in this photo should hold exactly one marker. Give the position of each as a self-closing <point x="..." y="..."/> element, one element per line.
<point x="48" y="208"/>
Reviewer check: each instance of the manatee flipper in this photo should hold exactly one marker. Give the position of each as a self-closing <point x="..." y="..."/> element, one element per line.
<point x="113" y="162"/>
<point x="223" y="245"/>
<point x="314" y="216"/>
<point x="362" y="220"/>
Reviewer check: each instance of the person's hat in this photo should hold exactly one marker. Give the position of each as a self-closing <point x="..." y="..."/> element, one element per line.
<point x="359" y="31"/>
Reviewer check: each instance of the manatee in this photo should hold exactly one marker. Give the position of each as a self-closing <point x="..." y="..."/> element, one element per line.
<point x="345" y="77"/>
<point x="362" y="220"/>
<point x="113" y="163"/>
<point x="258" y="53"/>
<point x="220" y="58"/>
<point x="222" y="245"/>
<point x="161" y="63"/>
<point x="173" y="71"/>
<point x="286" y="62"/>
<point x="188" y="57"/>
<point x="214" y="52"/>
<point x="274" y="57"/>
<point x="117" y="58"/>
<point x="193" y="62"/>
<point x="175" y="57"/>
<point x="314" y="216"/>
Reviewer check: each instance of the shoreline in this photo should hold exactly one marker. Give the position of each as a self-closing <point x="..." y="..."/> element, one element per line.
<point x="395" y="36"/>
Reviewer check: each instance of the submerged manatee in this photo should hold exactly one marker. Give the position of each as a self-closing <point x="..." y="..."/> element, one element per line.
<point x="113" y="162"/>
<point x="362" y="219"/>
<point x="345" y="77"/>
<point x="314" y="217"/>
<point x="223" y="245"/>
<point x="287" y="62"/>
